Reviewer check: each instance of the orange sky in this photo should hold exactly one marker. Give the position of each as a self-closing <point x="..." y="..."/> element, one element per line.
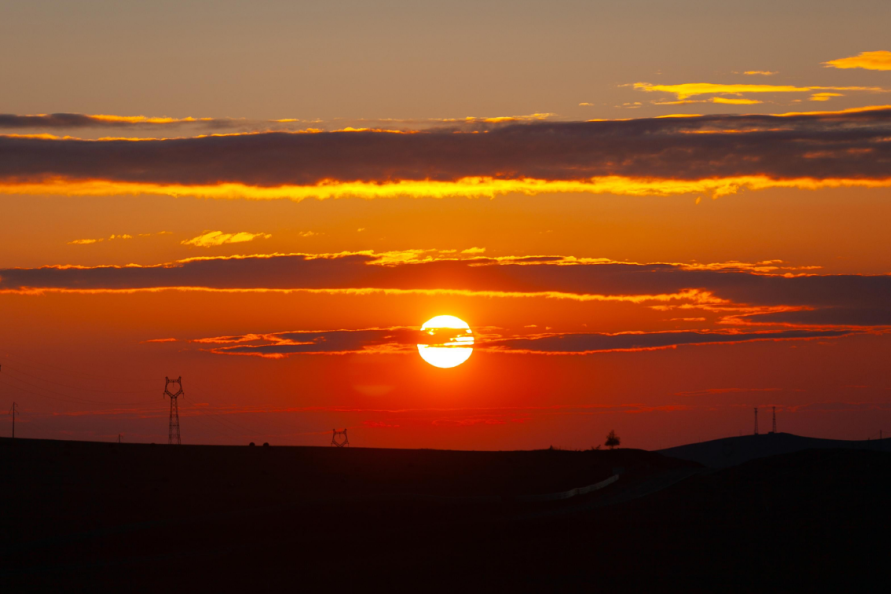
<point x="278" y="242"/>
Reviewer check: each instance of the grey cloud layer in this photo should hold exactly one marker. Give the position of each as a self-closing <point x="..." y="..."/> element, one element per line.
<point x="339" y="341"/>
<point x="585" y="343"/>
<point x="332" y="341"/>
<point x="832" y="299"/>
<point x="850" y="146"/>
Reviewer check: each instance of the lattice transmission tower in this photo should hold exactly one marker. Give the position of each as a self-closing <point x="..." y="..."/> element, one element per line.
<point x="340" y="439"/>
<point x="173" y="434"/>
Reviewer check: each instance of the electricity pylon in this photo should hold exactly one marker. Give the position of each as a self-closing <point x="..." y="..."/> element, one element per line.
<point x="339" y="443"/>
<point x="774" y="420"/>
<point x="756" y="420"/>
<point x="173" y="434"/>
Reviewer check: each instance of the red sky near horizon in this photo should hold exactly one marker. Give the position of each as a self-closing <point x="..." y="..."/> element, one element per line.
<point x="678" y="238"/>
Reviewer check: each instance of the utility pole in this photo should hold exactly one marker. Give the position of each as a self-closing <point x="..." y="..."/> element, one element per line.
<point x="756" y="420"/>
<point x="774" y="420"/>
<point x="13" y="419"/>
<point x="173" y="436"/>
<point x="13" y="413"/>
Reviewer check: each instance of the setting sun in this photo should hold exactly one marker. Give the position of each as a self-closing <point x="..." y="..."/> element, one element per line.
<point x="450" y="343"/>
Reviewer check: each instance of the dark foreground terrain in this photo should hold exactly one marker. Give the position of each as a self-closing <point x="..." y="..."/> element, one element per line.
<point x="139" y="518"/>
<point x="730" y="451"/>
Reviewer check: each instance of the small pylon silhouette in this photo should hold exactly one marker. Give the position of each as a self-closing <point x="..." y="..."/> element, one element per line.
<point x="340" y="443"/>
<point x="173" y="433"/>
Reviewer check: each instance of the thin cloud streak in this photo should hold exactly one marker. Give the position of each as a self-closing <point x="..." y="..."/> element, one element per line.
<point x="687" y="90"/>
<point x="402" y="340"/>
<point x="71" y="122"/>
<point x="216" y="238"/>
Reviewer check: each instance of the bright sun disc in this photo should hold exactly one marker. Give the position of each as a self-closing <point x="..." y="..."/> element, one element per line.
<point x="450" y="342"/>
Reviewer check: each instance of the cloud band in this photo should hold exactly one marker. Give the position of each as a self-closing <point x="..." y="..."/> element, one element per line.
<point x="850" y="147"/>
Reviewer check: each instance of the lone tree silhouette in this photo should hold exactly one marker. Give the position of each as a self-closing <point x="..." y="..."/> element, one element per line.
<point x="612" y="440"/>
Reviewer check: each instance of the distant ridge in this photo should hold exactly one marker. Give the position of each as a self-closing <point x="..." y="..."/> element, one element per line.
<point x="730" y="451"/>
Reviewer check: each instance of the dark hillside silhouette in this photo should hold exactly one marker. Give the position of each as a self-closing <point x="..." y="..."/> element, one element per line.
<point x="105" y="517"/>
<point x="730" y="451"/>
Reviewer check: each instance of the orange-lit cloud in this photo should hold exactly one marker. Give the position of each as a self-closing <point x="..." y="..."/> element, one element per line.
<point x="215" y="238"/>
<point x="465" y="187"/>
<point x="110" y="238"/>
<point x="687" y="90"/>
<point x="704" y="154"/>
<point x="719" y="100"/>
<point x="879" y="60"/>
<point x="824" y="96"/>
<point x="75" y="120"/>
<point x="760" y="73"/>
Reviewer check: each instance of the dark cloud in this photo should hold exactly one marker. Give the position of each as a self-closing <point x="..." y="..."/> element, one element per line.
<point x="842" y="406"/>
<point x="835" y="299"/>
<point x="830" y="316"/>
<point x="820" y="146"/>
<point x="585" y="343"/>
<point x="401" y="339"/>
<point x="288" y="343"/>
<point x="333" y="341"/>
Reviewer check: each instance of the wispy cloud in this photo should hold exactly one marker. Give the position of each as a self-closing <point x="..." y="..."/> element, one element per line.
<point x="687" y="90"/>
<point x="760" y="72"/>
<point x="718" y="100"/>
<point x="401" y="340"/>
<point x="646" y="341"/>
<point x="215" y="238"/>
<point x="717" y="391"/>
<point x="146" y="126"/>
<point x="76" y="120"/>
<point x="112" y="237"/>
<point x="824" y="96"/>
<point x="879" y="60"/>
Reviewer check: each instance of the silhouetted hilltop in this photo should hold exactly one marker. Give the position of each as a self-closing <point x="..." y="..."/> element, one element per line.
<point x="730" y="451"/>
<point x="99" y="517"/>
